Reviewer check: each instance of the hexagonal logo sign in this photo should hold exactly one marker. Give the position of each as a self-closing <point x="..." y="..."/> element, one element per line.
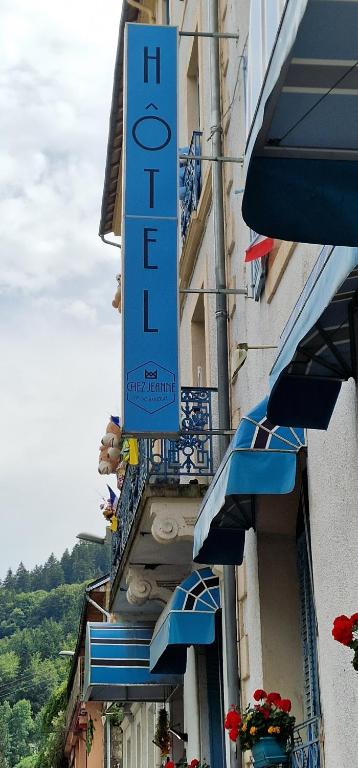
<point x="151" y="387"/>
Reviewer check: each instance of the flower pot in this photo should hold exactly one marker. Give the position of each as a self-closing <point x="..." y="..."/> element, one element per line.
<point x="269" y="751"/>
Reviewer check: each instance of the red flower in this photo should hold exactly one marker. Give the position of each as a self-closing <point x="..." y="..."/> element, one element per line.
<point x="259" y="694"/>
<point x="285" y="705"/>
<point x="265" y="712"/>
<point x="233" y="734"/>
<point x="232" y="720"/>
<point x="194" y="763"/>
<point x="273" y="698"/>
<point x="170" y="764"/>
<point x="342" y="629"/>
<point x="354" y="619"/>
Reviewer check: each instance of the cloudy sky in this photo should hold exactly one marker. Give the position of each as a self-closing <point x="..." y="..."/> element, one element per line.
<point x="59" y="335"/>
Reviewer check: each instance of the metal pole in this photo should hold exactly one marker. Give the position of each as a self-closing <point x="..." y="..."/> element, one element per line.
<point x="226" y="291"/>
<point x="232" y="667"/>
<point x="219" y="35"/>
<point x="212" y="158"/>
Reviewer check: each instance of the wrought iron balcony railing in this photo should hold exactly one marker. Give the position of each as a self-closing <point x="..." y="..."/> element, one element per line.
<point x="189" y="182"/>
<point x="167" y="461"/>
<point x="306" y="746"/>
<point x="306" y="752"/>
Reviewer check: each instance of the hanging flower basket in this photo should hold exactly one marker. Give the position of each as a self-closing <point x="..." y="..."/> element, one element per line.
<point x="265" y="727"/>
<point x="162" y="737"/>
<point x="269" y="751"/>
<point x="345" y="631"/>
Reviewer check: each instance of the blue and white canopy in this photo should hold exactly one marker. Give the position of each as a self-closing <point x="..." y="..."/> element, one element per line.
<point x="261" y="459"/>
<point x="302" y="150"/>
<point x="317" y="348"/>
<point x="117" y="665"/>
<point x="189" y="619"/>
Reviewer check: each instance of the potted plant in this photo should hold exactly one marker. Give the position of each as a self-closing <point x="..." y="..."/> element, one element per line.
<point x="162" y="738"/>
<point x="345" y="631"/>
<point x="265" y="727"/>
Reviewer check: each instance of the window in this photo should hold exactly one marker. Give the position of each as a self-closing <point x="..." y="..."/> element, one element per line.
<point x="139" y="745"/>
<point x="198" y="351"/>
<point x="258" y="271"/>
<point x="193" y="91"/>
<point x="264" y="22"/>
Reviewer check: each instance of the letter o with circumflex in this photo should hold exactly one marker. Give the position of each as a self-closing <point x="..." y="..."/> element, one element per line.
<point x="157" y="119"/>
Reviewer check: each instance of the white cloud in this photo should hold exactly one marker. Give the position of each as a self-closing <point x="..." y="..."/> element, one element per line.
<point x="59" y="336"/>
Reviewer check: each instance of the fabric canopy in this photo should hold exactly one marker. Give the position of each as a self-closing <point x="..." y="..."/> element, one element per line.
<point x="189" y="619"/>
<point x="261" y="459"/>
<point x="317" y="349"/>
<point x="302" y="150"/>
<point x="117" y="665"/>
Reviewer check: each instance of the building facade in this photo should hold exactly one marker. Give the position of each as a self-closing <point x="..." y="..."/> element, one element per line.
<point x="282" y="505"/>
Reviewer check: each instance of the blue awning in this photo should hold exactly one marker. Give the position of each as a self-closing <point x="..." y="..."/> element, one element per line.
<point x="317" y="348"/>
<point x="261" y="459"/>
<point x="302" y="150"/>
<point x="189" y="619"/>
<point x="117" y="665"/>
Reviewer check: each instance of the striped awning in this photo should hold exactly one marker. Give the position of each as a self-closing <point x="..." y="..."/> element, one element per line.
<point x="261" y="459"/>
<point x="317" y="350"/>
<point x="117" y="665"/>
<point x="189" y="619"/>
<point x="302" y="150"/>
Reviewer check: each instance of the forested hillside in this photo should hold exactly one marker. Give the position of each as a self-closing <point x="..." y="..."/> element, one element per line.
<point x="39" y="615"/>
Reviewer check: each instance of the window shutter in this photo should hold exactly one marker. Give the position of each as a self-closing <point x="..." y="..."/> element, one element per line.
<point x="308" y="633"/>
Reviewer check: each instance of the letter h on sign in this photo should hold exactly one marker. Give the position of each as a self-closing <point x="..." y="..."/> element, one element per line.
<point x="150" y="272"/>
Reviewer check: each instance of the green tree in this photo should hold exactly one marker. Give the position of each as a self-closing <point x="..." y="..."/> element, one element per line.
<point x="9" y="580"/>
<point x="5" y="712"/>
<point x="28" y="762"/>
<point x="52" y="573"/>
<point x="9" y="667"/>
<point x="20" y="729"/>
<point x="22" y="579"/>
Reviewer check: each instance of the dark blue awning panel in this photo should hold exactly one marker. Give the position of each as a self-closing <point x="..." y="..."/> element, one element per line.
<point x="261" y="459"/>
<point x="189" y="619"/>
<point x="316" y="351"/>
<point x="302" y="151"/>
<point x="117" y="665"/>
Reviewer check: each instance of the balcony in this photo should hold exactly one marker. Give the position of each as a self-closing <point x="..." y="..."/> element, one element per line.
<point x="189" y="182"/>
<point x="307" y="745"/>
<point x="168" y="462"/>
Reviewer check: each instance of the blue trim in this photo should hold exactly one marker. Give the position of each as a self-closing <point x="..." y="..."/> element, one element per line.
<point x="315" y="351"/>
<point x="189" y="619"/>
<point x="261" y="459"/>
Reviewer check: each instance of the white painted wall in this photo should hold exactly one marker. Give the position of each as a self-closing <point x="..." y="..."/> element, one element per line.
<point x="332" y="456"/>
<point x="191" y="707"/>
<point x="333" y="482"/>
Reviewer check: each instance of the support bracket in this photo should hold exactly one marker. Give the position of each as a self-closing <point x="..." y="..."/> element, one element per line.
<point x="226" y="291"/>
<point x="219" y="35"/>
<point x="217" y="159"/>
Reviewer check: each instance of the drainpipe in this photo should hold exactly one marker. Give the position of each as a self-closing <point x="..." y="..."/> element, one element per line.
<point x="229" y="613"/>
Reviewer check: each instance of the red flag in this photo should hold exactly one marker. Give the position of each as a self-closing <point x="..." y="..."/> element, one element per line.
<point x="260" y="247"/>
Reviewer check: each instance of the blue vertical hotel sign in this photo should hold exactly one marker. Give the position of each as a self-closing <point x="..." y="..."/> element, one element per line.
<point x="150" y="280"/>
